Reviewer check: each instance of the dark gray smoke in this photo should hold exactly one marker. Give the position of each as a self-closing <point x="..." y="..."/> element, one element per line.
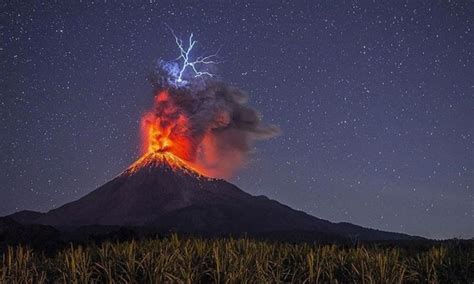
<point x="219" y="124"/>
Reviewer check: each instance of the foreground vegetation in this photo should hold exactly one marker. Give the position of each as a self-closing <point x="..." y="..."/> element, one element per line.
<point x="236" y="261"/>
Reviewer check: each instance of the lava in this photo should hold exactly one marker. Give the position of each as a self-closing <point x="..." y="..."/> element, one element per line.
<point x="166" y="135"/>
<point x="166" y="130"/>
<point x="163" y="159"/>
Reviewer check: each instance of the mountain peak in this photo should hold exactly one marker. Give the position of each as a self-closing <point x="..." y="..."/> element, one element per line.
<point x="163" y="161"/>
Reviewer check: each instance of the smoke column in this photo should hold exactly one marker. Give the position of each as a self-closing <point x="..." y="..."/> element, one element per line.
<point x="203" y="121"/>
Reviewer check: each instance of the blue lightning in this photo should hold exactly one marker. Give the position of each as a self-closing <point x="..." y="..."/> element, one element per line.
<point x="177" y="73"/>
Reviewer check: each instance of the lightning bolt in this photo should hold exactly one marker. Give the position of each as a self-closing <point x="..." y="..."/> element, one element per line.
<point x="189" y="63"/>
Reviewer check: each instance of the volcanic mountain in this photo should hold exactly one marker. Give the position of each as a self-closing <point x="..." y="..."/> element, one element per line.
<point x="159" y="191"/>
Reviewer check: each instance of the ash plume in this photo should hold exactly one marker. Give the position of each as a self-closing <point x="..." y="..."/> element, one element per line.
<point x="216" y="123"/>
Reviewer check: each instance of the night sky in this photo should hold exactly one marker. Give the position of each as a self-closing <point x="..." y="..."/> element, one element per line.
<point x="375" y="101"/>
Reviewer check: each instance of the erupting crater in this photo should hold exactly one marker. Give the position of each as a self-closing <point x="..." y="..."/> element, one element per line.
<point x="166" y="138"/>
<point x="161" y="159"/>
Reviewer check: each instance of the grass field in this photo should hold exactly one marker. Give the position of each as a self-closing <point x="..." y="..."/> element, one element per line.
<point x="192" y="260"/>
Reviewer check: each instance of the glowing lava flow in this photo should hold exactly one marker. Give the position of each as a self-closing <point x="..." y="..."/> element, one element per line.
<point x="166" y="137"/>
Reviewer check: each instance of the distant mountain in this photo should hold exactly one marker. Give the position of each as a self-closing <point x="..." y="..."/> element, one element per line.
<point x="161" y="193"/>
<point x="34" y="235"/>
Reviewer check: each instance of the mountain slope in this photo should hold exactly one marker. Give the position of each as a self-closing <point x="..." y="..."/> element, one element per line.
<point x="162" y="194"/>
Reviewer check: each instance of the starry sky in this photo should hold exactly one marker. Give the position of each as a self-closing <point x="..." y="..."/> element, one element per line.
<point x="375" y="101"/>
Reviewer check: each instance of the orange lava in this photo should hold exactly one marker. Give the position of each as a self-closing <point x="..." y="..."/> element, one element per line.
<point x="166" y="135"/>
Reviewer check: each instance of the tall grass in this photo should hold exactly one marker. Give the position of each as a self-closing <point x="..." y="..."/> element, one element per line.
<point x="235" y="261"/>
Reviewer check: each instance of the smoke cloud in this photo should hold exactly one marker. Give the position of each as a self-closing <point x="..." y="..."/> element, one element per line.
<point x="210" y="121"/>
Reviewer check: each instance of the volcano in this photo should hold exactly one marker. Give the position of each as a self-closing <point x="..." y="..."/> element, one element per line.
<point x="159" y="191"/>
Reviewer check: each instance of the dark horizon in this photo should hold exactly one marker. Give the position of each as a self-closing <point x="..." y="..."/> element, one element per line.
<point x="375" y="102"/>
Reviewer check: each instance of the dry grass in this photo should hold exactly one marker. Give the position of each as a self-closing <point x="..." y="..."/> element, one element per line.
<point x="235" y="261"/>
